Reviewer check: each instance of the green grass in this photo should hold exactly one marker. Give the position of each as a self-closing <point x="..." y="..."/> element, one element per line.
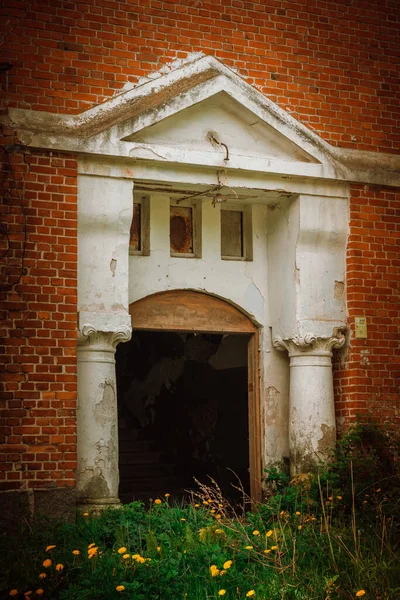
<point x="325" y="537"/>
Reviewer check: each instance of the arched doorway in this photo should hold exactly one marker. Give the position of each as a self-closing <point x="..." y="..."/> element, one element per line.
<point x="204" y="324"/>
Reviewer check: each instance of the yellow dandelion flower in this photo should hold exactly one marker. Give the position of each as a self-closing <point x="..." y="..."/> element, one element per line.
<point x="300" y="527"/>
<point x="91" y="545"/>
<point x="250" y="593"/>
<point x="47" y="563"/>
<point x="378" y="490"/>
<point x="222" y="572"/>
<point x="158" y="548"/>
<point x="59" y="567"/>
<point x="274" y="547"/>
<point x="214" y="570"/>
<point x="212" y="510"/>
<point x="228" y="564"/>
<point x="13" y="592"/>
<point x="298" y="512"/>
<point x="122" y="550"/>
<point x="85" y="514"/>
<point x="126" y="556"/>
<point x="157" y="501"/>
<point x="249" y="547"/>
<point x="42" y="575"/>
<point x="330" y="498"/>
<point x="197" y="505"/>
<point x="39" y="592"/>
<point x="218" y="516"/>
<point x="120" y="588"/>
<point x="220" y="505"/>
<point x="92" y="551"/>
<point x="221" y="592"/>
<point x="267" y="551"/>
<point x="256" y="532"/>
<point x="339" y="497"/>
<point x="138" y="558"/>
<point x="76" y="552"/>
<point x="218" y="531"/>
<point x="269" y="533"/>
<point x="205" y="502"/>
<point x="167" y="495"/>
<point x="50" y="548"/>
<point x="183" y="519"/>
<point x="360" y="593"/>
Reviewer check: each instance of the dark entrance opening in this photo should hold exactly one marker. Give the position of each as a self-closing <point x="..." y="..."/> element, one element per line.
<point x="183" y="413"/>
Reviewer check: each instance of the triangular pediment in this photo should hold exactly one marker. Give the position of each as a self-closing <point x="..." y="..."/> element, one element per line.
<point x="201" y="113"/>
<point x="220" y="124"/>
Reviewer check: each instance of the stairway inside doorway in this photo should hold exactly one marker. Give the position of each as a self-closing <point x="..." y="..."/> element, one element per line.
<point x="183" y="413"/>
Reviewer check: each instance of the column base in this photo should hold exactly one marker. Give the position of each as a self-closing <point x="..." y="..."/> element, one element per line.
<point x="97" y="505"/>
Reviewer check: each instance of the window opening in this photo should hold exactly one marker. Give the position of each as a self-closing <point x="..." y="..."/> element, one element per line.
<point x="236" y="233"/>
<point x="139" y="243"/>
<point x="184" y="229"/>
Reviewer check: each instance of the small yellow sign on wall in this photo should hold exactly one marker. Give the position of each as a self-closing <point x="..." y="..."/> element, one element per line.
<point x="361" y="327"/>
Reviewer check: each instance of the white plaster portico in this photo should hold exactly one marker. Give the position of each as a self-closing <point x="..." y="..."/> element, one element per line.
<point x="190" y="130"/>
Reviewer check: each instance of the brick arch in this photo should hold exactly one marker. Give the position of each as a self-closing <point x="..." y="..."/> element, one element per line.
<point x="191" y="311"/>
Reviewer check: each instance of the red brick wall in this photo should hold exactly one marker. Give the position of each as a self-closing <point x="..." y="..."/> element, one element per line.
<point x="38" y="319"/>
<point x="333" y="64"/>
<point x="368" y="381"/>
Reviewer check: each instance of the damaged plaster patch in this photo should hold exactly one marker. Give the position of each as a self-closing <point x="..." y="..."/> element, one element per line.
<point x="104" y="409"/>
<point x="338" y="290"/>
<point x="113" y="266"/>
<point x="327" y="442"/>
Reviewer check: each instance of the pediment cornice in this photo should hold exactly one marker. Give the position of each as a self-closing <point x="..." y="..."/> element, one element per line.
<point x="112" y="129"/>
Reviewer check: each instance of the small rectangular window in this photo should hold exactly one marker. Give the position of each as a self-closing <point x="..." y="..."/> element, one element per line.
<point x="232" y="233"/>
<point x="181" y="229"/>
<point x="235" y="233"/>
<point x="139" y="243"/>
<point x="136" y="228"/>
<point x="184" y="225"/>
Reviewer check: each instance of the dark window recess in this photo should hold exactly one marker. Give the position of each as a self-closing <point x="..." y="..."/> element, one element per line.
<point x="181" y="230"/>
<point x="232" y="233"/>
<point x="136" y="228"/>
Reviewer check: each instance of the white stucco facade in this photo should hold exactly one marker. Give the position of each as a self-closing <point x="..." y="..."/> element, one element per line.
<point x="190" y="132"/>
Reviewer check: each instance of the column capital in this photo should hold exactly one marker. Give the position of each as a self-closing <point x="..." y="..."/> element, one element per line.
<point x="311" y="345"/>
<point x="105" y="341"/>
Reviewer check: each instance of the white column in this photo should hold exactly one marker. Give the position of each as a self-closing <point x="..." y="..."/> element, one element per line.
<point x="312" y="425"/>
<point x="97" y="425"/>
